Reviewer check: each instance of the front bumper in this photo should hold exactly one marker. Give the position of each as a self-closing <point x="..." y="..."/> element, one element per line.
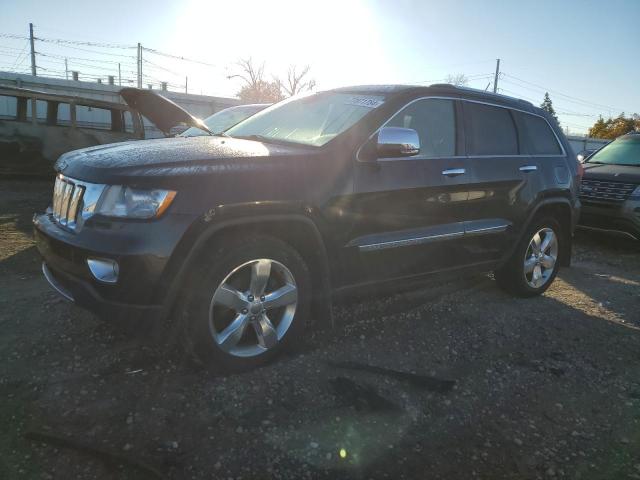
<point x="82" y="294"/>
<point x="141" y="250"/>
<point x="620" y="219"/>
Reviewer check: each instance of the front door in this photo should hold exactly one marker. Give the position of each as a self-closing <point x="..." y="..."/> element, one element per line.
<point x="407" y="214"/>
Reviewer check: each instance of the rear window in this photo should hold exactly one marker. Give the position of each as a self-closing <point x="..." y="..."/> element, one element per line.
<point x="537" y="136"/>
<point x="489" y="130"/>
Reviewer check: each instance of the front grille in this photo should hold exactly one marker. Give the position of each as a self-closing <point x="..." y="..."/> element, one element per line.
<point x="67" y="197"/>
<point x="605" y="191"/>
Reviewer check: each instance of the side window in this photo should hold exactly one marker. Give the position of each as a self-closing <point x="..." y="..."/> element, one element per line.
<point x="489" y="130"/>
<point x="93" y="117"/>
<point x="41" y="110"/>
<point x="435" y="122"/>
<point x="538" y="138"/>
<point x="128" y="121"/>
<point x="64" y="115"/>
<point x="8" y="107"/>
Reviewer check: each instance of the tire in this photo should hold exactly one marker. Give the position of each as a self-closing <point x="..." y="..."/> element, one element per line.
<point x="512" y="276"/>
<point x="233" y="329"/>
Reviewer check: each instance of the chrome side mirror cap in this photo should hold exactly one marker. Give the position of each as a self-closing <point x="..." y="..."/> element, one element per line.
<point x="583" y="155"/>
<point x="395" y="142"/>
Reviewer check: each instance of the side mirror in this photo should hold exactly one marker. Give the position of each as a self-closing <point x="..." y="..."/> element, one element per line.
<point x="583" y="155"/>
<point x="395" y="142"/>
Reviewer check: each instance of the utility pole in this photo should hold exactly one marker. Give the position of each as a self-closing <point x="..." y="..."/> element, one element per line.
<point x="186" y="84"/>
<point x="33" y="51"/>
<point x="66" y="69"/>
<point x="119" y="76"/>
<point x="495" y="79"/>
<point x="139" y="66"/>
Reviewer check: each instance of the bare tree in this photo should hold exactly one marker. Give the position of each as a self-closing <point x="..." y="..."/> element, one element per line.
<point x="459" y="80"/>
<point x="256" y="89"/>
<point x="297" y="81"/>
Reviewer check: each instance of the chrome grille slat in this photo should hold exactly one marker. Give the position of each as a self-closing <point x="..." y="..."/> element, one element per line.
<point x="74" y="201"/>
<point x="67" y="198"/>
<point x="73" y="205"/>
<point x="607" y="191"/>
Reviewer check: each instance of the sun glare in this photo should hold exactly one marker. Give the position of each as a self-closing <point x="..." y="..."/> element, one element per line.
<point x="337" y="39"/>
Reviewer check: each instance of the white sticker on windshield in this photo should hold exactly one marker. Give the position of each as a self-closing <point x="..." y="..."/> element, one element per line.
<point x="368" y="101"/>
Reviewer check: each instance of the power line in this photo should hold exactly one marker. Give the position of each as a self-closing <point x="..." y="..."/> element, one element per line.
<point x="569" y="97"/>
<point x="178" y="57"/>
<point x="61" y="41"/>
<point x="62" y="57"/>
<point x="98" y="52"/>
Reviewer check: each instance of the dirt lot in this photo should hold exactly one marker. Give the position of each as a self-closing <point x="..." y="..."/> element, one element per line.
<point x="544" y="388"/>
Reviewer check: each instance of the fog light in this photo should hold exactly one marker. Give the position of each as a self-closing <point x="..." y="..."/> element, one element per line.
<point x="103" y="269"/>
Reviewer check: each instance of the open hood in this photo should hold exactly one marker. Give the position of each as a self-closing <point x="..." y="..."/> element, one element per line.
<point x="160" y="110"/>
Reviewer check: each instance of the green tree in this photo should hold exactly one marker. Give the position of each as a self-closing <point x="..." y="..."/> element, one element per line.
<point x="599" y="129"/>
<point x="614" y="127"/>
<point x="547" y="106"/>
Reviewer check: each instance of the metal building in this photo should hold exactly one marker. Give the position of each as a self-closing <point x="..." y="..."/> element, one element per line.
<point x="200" y="106"/>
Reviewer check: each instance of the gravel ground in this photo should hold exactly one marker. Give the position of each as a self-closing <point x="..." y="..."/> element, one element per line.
<point x="544" y="388"/>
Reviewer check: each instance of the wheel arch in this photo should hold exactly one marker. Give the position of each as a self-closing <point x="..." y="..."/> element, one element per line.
<point x="295" y="229"/>
<point x="559" y="208"/>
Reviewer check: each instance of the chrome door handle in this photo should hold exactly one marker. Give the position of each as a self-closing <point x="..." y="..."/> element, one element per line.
<point x="452" y="172"/>
<point x="528" y="168"/>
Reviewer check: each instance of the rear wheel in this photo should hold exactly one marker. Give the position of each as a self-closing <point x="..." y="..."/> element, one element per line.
<point x="249" y="300"/>
<point x="534" y="263"/>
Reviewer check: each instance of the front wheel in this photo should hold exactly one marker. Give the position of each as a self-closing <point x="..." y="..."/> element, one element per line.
<point x="249" y="300"/>
<point x="534" y="263"/>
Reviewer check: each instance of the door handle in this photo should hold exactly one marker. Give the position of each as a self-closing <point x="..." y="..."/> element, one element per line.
<point x="452" y="172"/>
<point x="528" y="168"/>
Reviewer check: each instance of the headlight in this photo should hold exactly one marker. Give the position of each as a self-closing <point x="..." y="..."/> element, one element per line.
<point x="127" y="202"/>
<point x="636" y="192"/>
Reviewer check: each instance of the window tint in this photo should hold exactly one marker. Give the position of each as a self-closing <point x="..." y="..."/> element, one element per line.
<point x="489" y="130"/>
<point x="538" y="136"/>
<point x="435" y="122"/>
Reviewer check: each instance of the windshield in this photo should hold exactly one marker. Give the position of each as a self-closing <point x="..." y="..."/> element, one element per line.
<point x="623" y="151"/>
<point x="222" y="120"/>
<point x="310" y="120"/>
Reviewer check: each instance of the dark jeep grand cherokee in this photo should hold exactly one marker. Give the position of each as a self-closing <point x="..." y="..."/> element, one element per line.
<point x="239" y="239"/>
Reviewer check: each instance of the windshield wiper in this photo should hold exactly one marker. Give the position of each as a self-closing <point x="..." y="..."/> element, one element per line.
<point x="265" y="139"/>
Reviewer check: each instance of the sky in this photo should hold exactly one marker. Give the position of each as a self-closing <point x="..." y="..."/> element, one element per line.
<point x="584" y="53"/>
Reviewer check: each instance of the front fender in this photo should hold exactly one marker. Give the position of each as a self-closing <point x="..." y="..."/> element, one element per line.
<point x="217" y="220"/>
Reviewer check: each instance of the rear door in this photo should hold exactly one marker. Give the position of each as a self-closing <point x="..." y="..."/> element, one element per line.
<point x="409" y="212"/>
<point x="500" y="194"/>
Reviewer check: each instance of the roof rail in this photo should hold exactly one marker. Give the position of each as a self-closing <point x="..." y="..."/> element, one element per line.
<point x="477" y="90"/>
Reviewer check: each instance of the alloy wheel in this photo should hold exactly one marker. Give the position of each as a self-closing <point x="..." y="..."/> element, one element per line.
<point x="253" y="307"/>
<point x="541" y="257"/>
